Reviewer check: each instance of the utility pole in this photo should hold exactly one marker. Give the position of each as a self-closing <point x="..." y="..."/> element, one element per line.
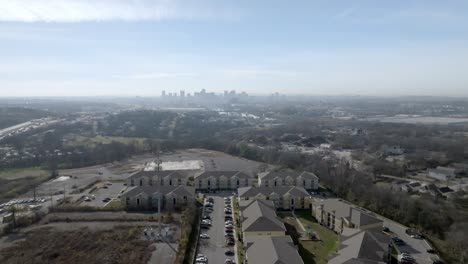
<point x="159" y="215"/>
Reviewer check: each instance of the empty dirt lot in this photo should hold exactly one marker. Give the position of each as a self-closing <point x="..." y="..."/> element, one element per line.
<point x="46" y="245"/>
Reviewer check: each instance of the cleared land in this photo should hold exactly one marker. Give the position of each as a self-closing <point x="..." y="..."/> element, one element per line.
<point x="120" y="245"/>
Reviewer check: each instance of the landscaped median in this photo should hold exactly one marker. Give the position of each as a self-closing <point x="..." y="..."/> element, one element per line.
<point x="238" y="231"/>
<point x="311" y="251"/>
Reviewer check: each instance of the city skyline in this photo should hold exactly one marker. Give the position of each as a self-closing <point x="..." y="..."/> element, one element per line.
<point x="139" y="48"/>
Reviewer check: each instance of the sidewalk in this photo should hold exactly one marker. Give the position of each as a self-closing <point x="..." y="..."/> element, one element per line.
<point x="237" y="227"/>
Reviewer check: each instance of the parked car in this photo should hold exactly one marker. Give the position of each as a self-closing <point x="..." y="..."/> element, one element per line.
<point x="204" y="236"/>
<point x="229" y="253"/>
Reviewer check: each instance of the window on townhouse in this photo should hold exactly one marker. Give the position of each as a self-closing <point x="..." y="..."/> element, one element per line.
<point x="209" y="183"/>
<point x="151" y="182"/>
<point x="304" y="183"/>
<point x="174" y="201"/>
<point x="266" y="183"/>
<point x="179" y="181"/>
<point x="237" y="182"/>
<point x="292" y="201"/>
<point x="127" y="201"/>
<point x="276" y="183"/>
<point x="132" y="182"/>
<point x="138" y="201"/>
<point x="170" y="182"/>
<point x="141" y="182"/>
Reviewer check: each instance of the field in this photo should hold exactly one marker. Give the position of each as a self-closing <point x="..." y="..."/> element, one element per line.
<point x="45" y="245"/>
<point x="91" y="142"/>
<point x="14" y="182"/>
<point x="11" y="174"/>
<point x="316" y="252"/>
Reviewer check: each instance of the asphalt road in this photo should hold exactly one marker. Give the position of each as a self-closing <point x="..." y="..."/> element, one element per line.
<point x="214" y="247"/>
<point x="416" y="247"/>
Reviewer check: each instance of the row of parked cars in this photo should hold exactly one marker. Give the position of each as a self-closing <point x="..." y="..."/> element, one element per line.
<point x="206" y="223"/>
<point x="22" y="201"/>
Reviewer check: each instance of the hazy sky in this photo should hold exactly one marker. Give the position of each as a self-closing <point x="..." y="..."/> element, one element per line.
<point x="140" y="47"/>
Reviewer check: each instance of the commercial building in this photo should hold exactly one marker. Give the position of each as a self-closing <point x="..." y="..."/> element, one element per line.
<point x="442" y="173"/>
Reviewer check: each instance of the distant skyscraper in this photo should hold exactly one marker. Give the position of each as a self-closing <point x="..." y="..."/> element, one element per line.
<point x="182" y="93"/>
<point x="163" y="94"/>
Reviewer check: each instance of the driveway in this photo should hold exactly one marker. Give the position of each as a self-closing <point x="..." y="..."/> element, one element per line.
<point x="214" y="247"/>
<point x="416" y="247"/>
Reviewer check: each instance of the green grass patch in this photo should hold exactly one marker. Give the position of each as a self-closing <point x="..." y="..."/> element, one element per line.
<point x="240" y="246"/>
<point x="91" y="142"/>
<point x="16" y="173"/>
<point x="313" y="251"/>
<point x="115" y="204"/>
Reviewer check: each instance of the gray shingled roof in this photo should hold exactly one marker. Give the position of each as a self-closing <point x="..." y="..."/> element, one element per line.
<point x="245" y="203"/>
<point x="217" y="174"/>
<point x="260" y="217"/>
<point x="283" y="174"/>
<point x="272" y="250"/>
<point x="180" y="190"/>
<point x="172" y="174"/>
<point x="361" y="247"/>
<point x="353" y="214"/>
<point x="267" y="191"/>
<point x="361" y="218"/>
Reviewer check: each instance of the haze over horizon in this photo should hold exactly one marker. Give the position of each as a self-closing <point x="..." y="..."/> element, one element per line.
<point x="138" y="48"/>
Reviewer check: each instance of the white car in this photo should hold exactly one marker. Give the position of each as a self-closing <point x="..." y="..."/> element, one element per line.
<point x="203" y="259"/>
<point x="228" y="225"/>
<point x="205" y="236"/>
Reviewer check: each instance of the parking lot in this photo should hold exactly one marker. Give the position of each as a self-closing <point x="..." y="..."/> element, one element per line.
<point x="105" y="191"/>
<point x="417" y="248"/>
<point x="214" y="248"/>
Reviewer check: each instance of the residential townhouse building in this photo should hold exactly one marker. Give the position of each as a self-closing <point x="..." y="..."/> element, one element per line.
<point x="362" y="246"/>
<point x="306" y="180"/>
<point x="271" y="249"/>
<point x="259" y="218"/>
<point x="286" y="198"/>
<point x="337" y="215"/>
<point x="157" y="178"/>
<point x="154" y="197"/>
<point x="222" y="180"/>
